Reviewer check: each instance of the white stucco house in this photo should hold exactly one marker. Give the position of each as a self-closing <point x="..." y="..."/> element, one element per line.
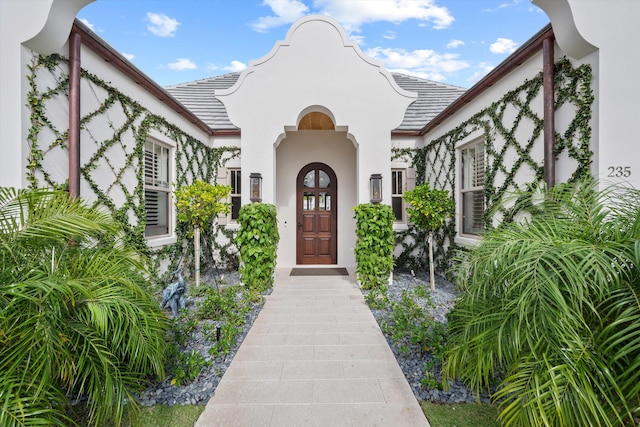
<point x="315" y="122"/>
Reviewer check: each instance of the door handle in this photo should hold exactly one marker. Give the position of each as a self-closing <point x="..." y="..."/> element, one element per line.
<point x="299" y="226"/>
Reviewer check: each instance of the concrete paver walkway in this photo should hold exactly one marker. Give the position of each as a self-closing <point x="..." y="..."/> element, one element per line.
<point x="315" y="356"/>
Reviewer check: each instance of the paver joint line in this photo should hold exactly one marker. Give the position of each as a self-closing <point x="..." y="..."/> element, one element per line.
<point x="329" y="365"/>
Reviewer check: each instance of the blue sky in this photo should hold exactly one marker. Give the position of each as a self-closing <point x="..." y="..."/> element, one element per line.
<point x="451" y="41"/>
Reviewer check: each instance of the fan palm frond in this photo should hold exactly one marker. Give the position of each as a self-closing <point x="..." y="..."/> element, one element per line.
<point x="77" y="318"/>
<point x="548" y="307"/>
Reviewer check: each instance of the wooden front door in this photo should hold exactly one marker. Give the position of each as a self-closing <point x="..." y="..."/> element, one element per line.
<point x="316" y="212"/>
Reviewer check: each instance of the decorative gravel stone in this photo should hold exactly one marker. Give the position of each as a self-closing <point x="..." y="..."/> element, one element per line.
<point x="413" y="363"/>
<point x="199" y="391"/>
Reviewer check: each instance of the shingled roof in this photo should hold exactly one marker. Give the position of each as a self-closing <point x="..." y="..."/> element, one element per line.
<point x="199" y="97"/>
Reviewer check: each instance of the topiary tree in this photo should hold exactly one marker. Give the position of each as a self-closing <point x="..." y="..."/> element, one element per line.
<point x="198" y="204"/>
<point x="429" y="210"/>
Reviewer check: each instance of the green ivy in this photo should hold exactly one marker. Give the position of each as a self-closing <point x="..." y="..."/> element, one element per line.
<point x="257" y="241"/>
<point x="436" y="161"/>
<point x="127" y="120"/>
<point x="374" y="246"/>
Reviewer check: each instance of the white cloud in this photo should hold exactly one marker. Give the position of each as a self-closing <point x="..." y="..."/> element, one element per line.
<point x="420" y="63"/>
<point x="352" y="14"/>
<point x="357" y="39"/>
<point x="481" y="70"/>
<point x="504" y="5"/>
<point x="235" y="66"/>
<point x="436" y="77"/>
<point x="509" y="4"/>
<point x="161" y="25"/>
<point x="88" y="24"/>
<point x="129" y="56"/>
<point x="502" y="45"/>
<point x="389" y="35"/>
<point x="454" y="44"/>
<point x="284" y="12"/>
<point x="182" y="64"/>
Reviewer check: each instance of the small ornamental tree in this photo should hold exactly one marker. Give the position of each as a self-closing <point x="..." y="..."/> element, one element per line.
<point x="429" y="210"/>
<point x="198" y="204"/>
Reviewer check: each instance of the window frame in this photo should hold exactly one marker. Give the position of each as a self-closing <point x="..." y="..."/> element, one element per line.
<point x="398" y="195"/>
<point x="232" y="194"/>
<point x="473" y="186"/>
<point x="159" y="183"/>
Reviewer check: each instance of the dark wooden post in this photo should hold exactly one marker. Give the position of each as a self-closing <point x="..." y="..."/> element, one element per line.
<point x="549" y="111"/>
<point x="74" y="114"/>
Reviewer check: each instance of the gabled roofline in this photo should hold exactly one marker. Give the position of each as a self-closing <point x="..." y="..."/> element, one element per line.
<point x="346" y="43"/>
<point x="517" y="58"/>
<point x="109" y="54"/>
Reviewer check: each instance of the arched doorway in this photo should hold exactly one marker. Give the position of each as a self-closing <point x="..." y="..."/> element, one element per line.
<point x="316" y="215"/>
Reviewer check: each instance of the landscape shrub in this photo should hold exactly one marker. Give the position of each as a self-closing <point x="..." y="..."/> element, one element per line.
<point x="257" y="241"/>
<point x="549" y="310"/>
<point x="77" y="319"/>
<point x="374" y="247"/>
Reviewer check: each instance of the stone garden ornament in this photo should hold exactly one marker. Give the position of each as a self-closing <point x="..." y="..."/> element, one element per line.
<point x="173" y="295"/>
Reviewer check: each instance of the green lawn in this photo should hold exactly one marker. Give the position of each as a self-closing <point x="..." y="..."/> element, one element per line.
<point x="462" y="415"/>
<point x="165" y="416"/>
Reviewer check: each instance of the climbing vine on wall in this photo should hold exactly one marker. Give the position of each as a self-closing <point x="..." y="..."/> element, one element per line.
<point x="509" y="158"/>
<point x="114" y="130"/>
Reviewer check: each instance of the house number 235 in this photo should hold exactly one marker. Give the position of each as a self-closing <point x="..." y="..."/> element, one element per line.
<point x="619" y="171"/>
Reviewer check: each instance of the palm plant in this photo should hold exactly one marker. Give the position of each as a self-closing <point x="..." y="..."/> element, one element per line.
<point x="76" y="320"/>
<point x="549" y="310"/>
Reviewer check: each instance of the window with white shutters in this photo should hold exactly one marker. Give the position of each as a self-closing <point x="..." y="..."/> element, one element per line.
<point x="235" y="195"/>
<point x="397" y="190"/>
<point x="472" y="188"/>
<point x="157" y="189"/>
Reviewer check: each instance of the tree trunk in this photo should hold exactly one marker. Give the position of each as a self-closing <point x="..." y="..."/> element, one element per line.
<point x="196" y="252"/>
<point x="432" y="281"/>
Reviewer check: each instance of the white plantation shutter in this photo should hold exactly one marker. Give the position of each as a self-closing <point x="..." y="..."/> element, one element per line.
<point x="156" y="189"/>
<point x="473" y="172"/>
<point x="398" y="185"/>
<point x="236" y="192"/>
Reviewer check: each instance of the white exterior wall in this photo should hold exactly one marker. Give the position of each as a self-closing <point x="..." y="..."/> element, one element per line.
<point x="565" y="166"/>
<point x="102" y="129"/>
<point x="316" y="69"/>
<point x="39" y="24"/>
<point x="96" y="65"/>
<point x="606" y="32"/>
<point x="43" y="27"/>
<point x="297" y="150"/>
<point x="515" y="79"/>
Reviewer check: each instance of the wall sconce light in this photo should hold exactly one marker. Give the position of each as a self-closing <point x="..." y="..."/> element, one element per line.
<point x="375" y="188"/>
<point x="255" y="186"/>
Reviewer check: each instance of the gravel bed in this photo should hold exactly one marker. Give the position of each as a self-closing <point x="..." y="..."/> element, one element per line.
<point x="199" y="391"/>
<point x="412" y="363"/>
